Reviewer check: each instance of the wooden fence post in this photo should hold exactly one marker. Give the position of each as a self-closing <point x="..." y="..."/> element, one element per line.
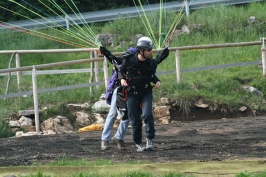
<point x="92" y="71"/>
<point x="18" y="72"/>
<point x="177" y="63"/>
<point x="96" y="69"/>
<point x="9" y="74"/>
<point x="263" y="57"/>
<point x="35" y="98"/>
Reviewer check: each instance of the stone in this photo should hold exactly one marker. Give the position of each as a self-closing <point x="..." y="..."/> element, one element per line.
<point x="14" y="123"/>
<point x="200" y="104"/>
<point x="83" y="119"/>
<point x="161" y="111"/>
<point x="27" y="112"/>
<point x="253" y="90"/>
<point x="243" y="108"/>
<point x="251" y="19"/>
<point x="25" y="121"/>
<point x="100" y="106"/>
<point x="165" y="101"/>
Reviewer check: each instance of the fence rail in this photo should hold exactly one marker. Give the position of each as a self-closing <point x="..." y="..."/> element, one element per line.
<point x="101" y="83"/>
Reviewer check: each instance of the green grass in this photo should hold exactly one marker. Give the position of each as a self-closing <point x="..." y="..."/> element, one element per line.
<point x="248" y="174"/>
<point x="145" y="171"/>
<point x="140" y="174"/>
<point x="220" y="88"/>
<point x="80" y="162"/>
<point x="100" y="162"/>
<point x="60" y="109"/>
<point x="5" y="130"/>
<point x="81" y="167"/>
<point x="128" y="174"/>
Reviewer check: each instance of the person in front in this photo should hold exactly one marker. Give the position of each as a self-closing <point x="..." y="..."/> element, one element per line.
<point x="137" y="73"/>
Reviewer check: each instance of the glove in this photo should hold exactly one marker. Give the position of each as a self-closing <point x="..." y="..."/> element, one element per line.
<point x="108" y="54"/>
<point x="163" y="55"/>
<point x="104" y="51"/>
<point x="165" y="52"/>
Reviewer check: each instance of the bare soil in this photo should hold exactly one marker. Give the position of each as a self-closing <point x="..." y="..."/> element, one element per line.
<point x="202" y="136"/>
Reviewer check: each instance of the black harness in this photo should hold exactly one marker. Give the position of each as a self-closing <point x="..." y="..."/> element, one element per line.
<point x="140" y="74"/>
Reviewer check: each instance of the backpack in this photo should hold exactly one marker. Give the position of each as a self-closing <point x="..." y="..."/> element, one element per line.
<point x="114" y="82"/>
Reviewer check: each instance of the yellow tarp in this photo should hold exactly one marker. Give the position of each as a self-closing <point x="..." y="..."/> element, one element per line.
<point x="93" y="127"/>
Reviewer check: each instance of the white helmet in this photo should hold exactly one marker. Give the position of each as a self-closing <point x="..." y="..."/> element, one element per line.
<point x="144" y="43"/>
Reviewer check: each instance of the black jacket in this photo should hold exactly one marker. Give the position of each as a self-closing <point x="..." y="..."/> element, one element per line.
<point x="138" y="73"/>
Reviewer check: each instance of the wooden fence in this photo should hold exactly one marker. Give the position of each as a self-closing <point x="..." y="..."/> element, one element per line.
<point x="95" y="58"/>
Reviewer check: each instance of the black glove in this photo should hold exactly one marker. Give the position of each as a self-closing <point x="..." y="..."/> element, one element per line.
<point x="162" y="56"/>
<point x="104" y="51"/>
<point x="165" y="52"/>
<point x="107" y="54"/>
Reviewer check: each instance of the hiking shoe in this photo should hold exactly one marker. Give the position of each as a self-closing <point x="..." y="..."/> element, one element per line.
<point x="104" y="145"/>
<point x="140" y="147"/>
<point x="120" y="143"/>
<point x="149" y="144"/>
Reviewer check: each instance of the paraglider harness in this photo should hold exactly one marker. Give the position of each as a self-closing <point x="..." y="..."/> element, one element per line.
<point x="121" y="91"/>
<point x="139" y="82"/>
<point x="114" y="81"/>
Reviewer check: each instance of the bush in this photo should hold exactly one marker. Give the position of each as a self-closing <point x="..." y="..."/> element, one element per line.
<point x="5" y="130"/>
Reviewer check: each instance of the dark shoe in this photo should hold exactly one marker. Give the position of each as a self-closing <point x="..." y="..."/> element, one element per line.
<point x="104" y="145"/>
<point x="120" y="143"/>
<point x="149" y="144"/>
<point x="140" y="147"/>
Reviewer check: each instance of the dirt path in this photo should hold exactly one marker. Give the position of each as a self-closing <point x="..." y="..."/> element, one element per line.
<point x="209" y="140"/>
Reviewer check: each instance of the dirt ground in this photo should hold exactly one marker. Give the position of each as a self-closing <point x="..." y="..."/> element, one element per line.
<point x="197" y="140"/>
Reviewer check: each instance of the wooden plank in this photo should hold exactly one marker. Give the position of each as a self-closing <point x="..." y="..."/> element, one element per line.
<point x="62" y="71"/>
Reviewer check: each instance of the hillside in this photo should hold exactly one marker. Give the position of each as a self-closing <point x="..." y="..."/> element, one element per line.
<point x="221" y="89"/>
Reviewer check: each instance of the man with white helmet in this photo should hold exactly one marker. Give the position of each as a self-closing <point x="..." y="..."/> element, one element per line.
<point x="142" y="43"/>
<point x="137" y="73"/>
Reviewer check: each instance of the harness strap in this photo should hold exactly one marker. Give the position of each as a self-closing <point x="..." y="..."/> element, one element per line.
<point x="139" y="104"/>
<point x="125" y="92"/>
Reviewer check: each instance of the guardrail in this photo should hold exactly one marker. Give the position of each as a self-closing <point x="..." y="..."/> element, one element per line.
<point x="107" y="15"/>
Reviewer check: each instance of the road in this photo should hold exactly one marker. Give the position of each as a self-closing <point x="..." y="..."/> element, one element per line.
<point x="113" y="14"/>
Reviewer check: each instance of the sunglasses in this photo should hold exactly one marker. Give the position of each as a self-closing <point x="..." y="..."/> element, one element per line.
<point x="149" y="50"/>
